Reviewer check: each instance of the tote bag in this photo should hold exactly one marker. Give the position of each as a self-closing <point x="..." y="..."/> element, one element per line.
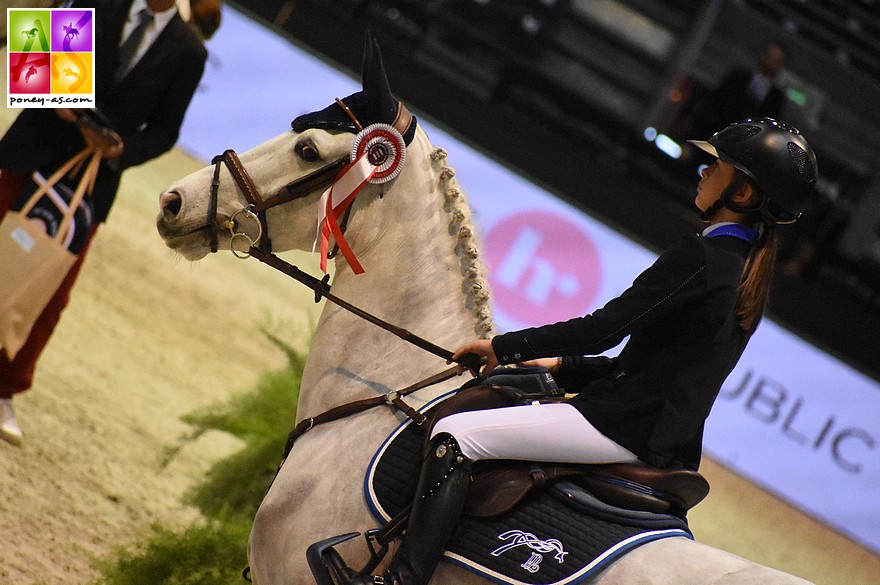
<point x="33" y="263"/>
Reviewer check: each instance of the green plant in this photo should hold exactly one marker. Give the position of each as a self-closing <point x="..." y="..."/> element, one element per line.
<point x="214" y="552"/>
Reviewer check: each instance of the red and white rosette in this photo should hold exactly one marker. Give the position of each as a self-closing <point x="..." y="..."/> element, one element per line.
<point x="377" y="156"/>
<point x="384" y="148"/>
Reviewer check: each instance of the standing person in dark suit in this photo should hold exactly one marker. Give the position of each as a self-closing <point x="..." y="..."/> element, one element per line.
<point x="688" y="316"/>
<point x="144" y="101"/>
<point x="745" y="93"/>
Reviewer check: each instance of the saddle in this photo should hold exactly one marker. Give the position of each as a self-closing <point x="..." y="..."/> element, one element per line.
<point x="499" y="485"/>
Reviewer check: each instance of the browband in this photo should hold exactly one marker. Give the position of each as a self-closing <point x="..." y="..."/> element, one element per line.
<point x="402" y="121"/>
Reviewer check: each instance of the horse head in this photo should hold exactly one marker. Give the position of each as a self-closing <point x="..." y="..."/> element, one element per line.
<point x="190" y="213"/>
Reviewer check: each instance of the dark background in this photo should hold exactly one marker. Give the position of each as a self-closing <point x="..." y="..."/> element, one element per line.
<point x="525" y="80"/>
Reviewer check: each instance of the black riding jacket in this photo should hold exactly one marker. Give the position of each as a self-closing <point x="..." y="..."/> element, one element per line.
<point x="684" y="340"/>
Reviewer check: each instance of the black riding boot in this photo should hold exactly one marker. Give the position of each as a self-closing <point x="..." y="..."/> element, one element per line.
<point x="439" y="499"/>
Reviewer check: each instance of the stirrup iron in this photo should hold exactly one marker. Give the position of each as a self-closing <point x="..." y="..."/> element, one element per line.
<point x="329" y="568"/>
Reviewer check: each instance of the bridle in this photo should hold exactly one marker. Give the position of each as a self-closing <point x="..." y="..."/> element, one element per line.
<point x="261" y="247"/>
<point x="257" y="206"/>
<point x="255" y="210"/>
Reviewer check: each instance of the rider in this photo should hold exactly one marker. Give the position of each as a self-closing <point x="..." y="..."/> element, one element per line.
<point x="688" y="317"/>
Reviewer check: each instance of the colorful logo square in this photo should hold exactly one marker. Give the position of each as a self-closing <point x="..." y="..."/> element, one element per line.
<point x="51" y="58"/>
<point x="72" y="73"/>
<point x="28" y="30"/>
<point x="72" y="30"/>
<point x="30" y="73"/>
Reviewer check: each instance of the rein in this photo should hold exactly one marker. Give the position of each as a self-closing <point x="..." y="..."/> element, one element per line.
<point x="322" y="289"/>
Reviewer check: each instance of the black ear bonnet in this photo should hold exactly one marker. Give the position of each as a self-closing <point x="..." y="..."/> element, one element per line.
<point x="373" y="104"/>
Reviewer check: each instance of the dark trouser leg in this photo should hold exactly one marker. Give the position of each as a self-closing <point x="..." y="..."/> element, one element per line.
<point x="437" y="505"/>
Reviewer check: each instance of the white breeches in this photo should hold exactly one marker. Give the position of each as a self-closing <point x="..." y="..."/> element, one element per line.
<point x="554" y="432"/>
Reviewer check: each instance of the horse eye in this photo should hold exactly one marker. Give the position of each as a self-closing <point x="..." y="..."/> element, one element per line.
<point x="308" y="153"/>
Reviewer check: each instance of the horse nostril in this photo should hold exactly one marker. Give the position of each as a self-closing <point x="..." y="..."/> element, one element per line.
<point x="170" y="204"/>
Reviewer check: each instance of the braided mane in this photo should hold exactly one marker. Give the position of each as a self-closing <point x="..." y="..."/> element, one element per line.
<point x="476" y="285"/>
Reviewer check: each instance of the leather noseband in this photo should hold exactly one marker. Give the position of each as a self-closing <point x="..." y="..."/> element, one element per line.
<point x="257" y="206"/>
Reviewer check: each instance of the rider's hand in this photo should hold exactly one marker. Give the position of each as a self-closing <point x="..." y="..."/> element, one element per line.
<point x="482" y="348"/>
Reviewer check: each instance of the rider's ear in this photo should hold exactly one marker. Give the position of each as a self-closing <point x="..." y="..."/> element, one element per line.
<point x="747" y="195"/>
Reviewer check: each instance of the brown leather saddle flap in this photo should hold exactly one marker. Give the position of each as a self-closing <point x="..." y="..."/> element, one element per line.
<point x="683" y="488"/>
<point x="499" y="485"/>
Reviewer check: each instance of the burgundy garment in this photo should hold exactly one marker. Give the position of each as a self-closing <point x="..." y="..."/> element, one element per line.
<point x="17" y="375"/>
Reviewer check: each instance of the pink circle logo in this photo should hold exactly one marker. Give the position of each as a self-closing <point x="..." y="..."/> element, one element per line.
<point x="543" y="268"/>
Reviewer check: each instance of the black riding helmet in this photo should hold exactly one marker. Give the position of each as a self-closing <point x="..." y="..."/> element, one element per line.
<point x="776" y="157"/>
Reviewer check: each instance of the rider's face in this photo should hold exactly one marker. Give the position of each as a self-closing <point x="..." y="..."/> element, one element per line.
<point x="716" y="177"/>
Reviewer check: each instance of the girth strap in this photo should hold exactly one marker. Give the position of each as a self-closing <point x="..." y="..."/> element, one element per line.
<point x="393" y="398"/>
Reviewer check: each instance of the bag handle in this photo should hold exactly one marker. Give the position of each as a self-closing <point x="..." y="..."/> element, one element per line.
<point x="85" y="185"/>
<point x="52" y="180"/>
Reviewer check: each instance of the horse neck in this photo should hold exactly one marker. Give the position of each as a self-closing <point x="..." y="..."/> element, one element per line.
<point x="423" y="273"/>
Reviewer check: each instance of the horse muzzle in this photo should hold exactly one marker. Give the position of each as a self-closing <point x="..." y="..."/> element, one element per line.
<point x="190" y="241"/>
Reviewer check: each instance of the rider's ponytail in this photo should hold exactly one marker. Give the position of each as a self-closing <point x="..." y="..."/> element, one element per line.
<point x="754" y="287"/>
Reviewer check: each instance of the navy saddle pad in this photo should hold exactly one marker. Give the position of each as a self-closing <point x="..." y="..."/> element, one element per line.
<point x="558" y="535"/>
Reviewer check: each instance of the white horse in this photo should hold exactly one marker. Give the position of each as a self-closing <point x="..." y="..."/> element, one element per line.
<point x="423" y="272"/>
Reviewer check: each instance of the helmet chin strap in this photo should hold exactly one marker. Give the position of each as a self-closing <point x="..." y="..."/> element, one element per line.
<point x="726" y="198"/>
<point x="709" y="212"/>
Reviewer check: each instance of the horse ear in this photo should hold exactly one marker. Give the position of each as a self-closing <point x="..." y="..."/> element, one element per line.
<point x="375" y="82"/>
<point x="368" y="58"/>
<point x="375" y="103"/>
